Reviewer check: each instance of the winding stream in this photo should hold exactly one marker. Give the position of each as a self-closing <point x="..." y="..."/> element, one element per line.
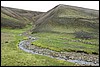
<point x="27" y="47"/>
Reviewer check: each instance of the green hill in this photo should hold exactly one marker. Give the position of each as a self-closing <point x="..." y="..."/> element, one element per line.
<point x="17" y="18"/>
<point x="68" y="19"/>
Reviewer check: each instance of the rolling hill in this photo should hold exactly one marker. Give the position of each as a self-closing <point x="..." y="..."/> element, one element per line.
<point x="68" y="19"/>
<point x="17" y="18"/>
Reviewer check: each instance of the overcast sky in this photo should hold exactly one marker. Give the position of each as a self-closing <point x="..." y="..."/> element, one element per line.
<point x="47" y="5"/>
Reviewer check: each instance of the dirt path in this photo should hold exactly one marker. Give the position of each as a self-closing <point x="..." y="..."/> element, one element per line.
<point x="78" y="58"/>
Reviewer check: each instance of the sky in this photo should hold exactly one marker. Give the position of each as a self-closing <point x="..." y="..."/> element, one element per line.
<point x="44" y="6"/>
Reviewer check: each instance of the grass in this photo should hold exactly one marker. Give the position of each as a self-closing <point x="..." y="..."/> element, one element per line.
<point x="67" y="25"/>
<point x="8" y="17"/>
<point x="11" y="22"/>
<point x="64" y="42"/>
<point x="68" y="12"/>
<point x="11" y="55"/>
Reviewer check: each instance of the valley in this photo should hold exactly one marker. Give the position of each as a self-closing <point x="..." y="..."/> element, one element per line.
<point x="63" y="36"/>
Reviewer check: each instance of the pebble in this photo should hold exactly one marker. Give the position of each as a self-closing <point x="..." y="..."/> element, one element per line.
<point x="63" y="55"/>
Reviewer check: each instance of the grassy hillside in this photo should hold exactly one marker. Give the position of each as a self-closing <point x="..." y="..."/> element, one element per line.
<point x="17" y="18"/>
<point x="68" y="28"/>
<point x="68" y="19"/>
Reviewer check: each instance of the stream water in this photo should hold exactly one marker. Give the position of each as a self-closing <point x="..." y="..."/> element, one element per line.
<point x="49" y="53"/>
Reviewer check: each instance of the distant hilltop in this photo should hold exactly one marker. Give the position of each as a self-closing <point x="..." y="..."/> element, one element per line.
<point x="17" y="18"/>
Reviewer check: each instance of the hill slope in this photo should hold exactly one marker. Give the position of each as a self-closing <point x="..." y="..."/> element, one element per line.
<point x="17" y="18"/>
<point x="68" y="19"/>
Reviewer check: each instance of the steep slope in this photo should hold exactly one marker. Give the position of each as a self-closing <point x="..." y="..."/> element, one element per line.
<point x="17" y="18"/>
<point x="68" y="19"/>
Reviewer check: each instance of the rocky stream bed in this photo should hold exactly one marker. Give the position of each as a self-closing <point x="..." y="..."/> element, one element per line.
<point x="78" y="58"/>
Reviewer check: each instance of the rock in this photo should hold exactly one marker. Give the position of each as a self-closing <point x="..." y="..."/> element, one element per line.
<point x="29" y="37"/>
<point x="67" y="57"/>
<point x="80" y="58"/>
<point x="33" y="38"/>
<point x="95" y="62"/>
<point x="71" y="57"/>
<point x="20" y="34"/>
